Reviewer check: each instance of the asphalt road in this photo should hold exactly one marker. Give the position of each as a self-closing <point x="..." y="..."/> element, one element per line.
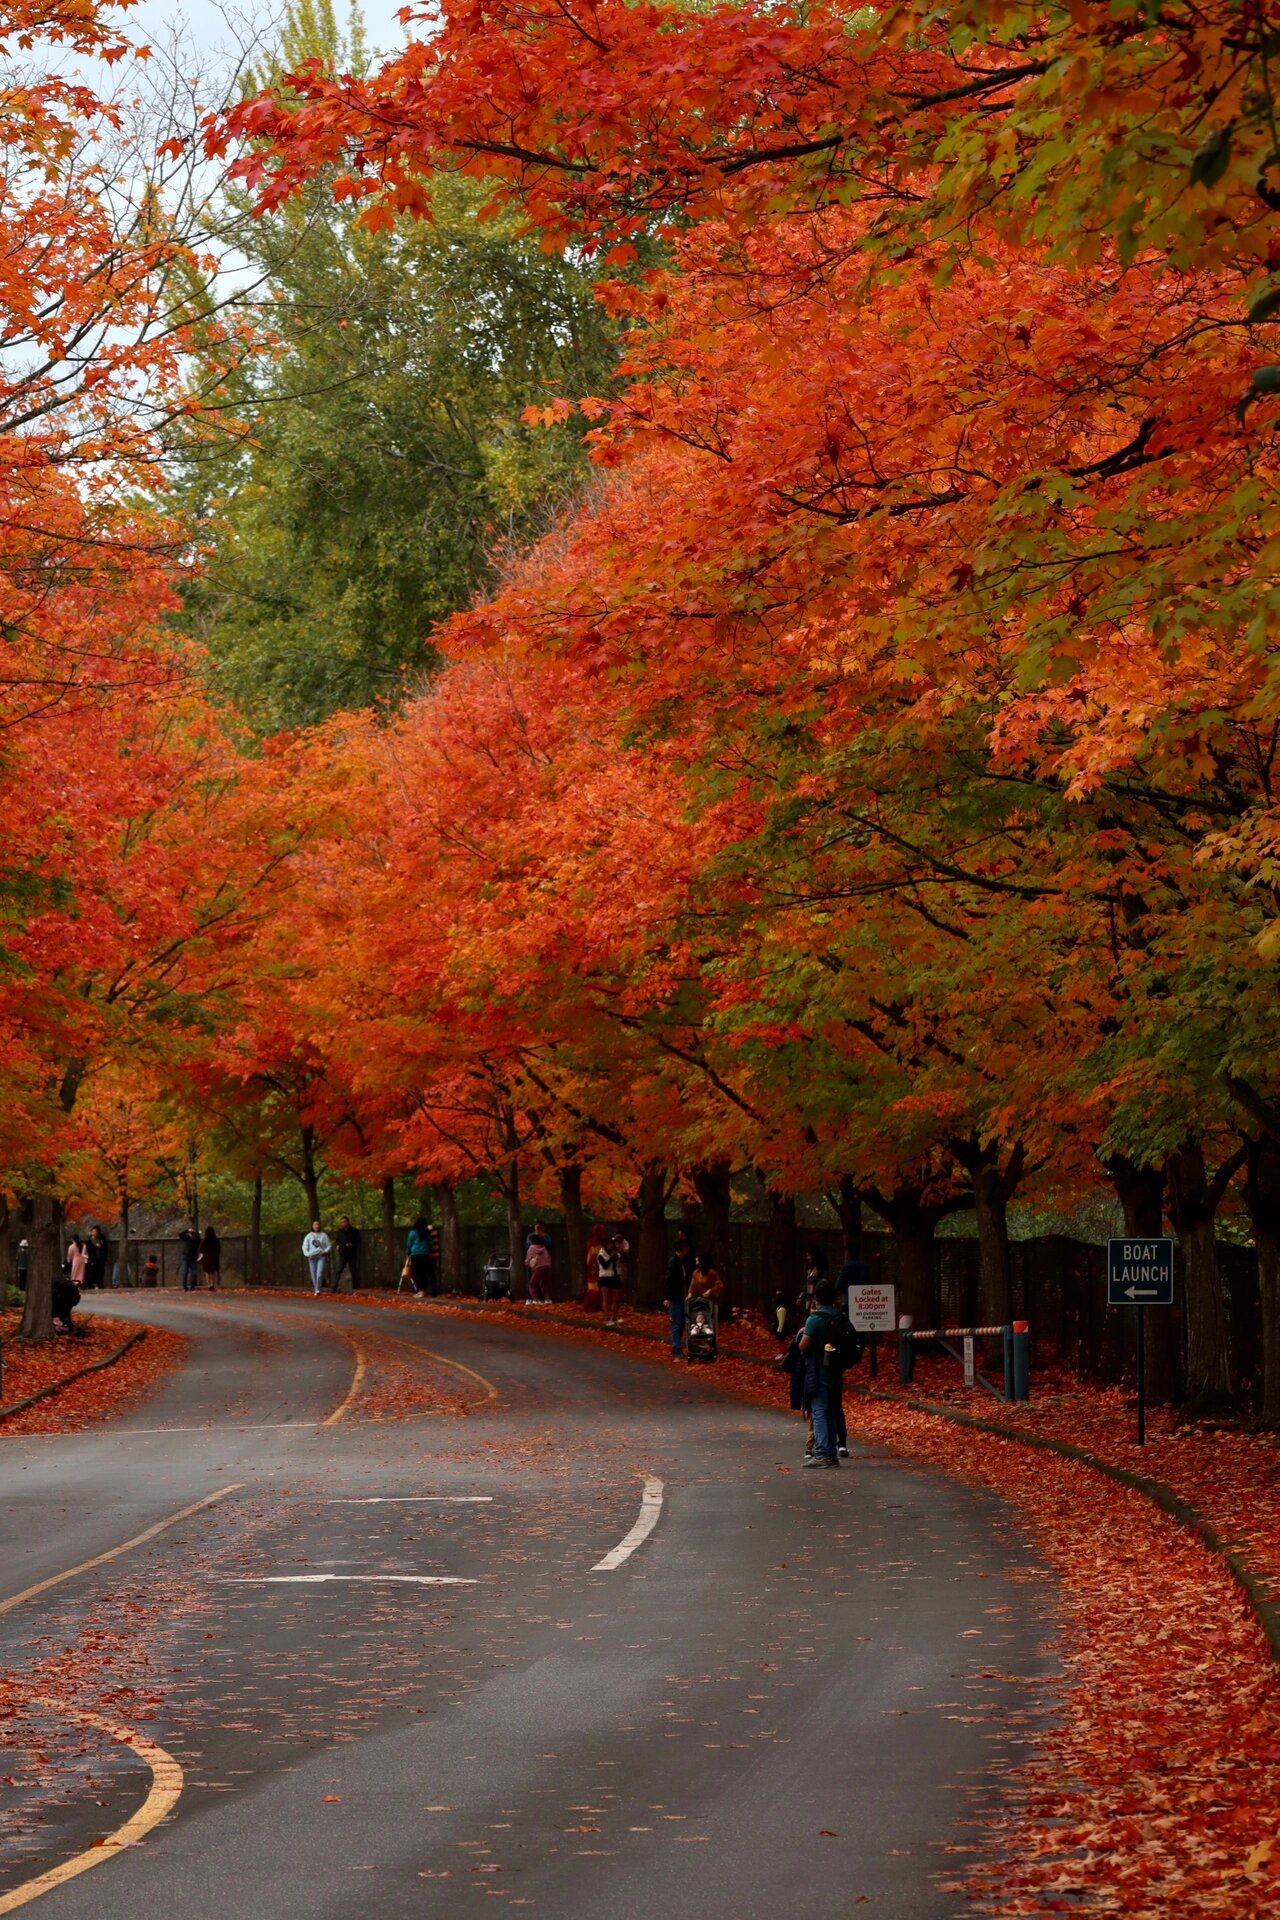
<point x="396" y="1683"/>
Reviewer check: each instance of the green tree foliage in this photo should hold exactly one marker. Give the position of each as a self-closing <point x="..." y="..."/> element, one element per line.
<point x="375" y="472"/>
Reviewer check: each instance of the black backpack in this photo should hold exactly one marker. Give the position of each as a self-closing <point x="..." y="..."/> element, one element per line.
<point x="844" y="1343"/>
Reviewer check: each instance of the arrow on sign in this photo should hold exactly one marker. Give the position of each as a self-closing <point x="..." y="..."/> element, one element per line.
<point x="1141" y="1293"/>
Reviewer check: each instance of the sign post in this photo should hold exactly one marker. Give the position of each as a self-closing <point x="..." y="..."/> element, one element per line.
<point x="873" y="1310"/>
<point x="1140" y="1274"/>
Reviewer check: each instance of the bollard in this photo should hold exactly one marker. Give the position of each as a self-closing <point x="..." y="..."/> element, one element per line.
<point x="906" y="1351"/>
<point x="1022" y="1360"/>
<point x="1010" y="1388"/>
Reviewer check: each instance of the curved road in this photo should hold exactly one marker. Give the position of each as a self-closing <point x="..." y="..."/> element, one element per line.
<point x="397" y="1681"/>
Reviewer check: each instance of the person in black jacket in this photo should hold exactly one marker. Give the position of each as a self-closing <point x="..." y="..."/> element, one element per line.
<point x="66" y="1298"/>
<point x="189" y="1255"/>
<point x="347" y="1242"/>
<point x="95" y="1261"/>
<point x="680" y="1271"/>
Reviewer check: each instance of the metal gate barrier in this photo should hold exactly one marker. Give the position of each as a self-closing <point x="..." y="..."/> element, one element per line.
<point x="1016" y="1339"/>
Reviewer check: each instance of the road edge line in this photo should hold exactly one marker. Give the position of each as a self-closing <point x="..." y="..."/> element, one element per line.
<point x="114" y="1553"/>
<point x="352" y="1394"/>
<point x="645" y="1522"/>
<point x="165" y="1792"/>
<point x="491" y="1392"/>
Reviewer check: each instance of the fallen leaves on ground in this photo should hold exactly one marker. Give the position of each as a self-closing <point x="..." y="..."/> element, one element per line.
<point x="98" y="1395"/>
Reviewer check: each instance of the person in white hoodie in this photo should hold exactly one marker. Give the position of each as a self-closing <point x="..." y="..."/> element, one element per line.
<point x="316" y="1249"/>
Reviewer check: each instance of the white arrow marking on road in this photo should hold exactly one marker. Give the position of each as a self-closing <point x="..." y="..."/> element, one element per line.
<point x="650" y="1508"/>
<point x="315" y="1579"/>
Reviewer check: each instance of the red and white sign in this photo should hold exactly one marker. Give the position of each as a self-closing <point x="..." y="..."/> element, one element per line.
<point x="873" y="1309"/>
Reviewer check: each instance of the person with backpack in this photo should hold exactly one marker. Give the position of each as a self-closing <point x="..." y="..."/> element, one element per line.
<point x="830" y="1346"/>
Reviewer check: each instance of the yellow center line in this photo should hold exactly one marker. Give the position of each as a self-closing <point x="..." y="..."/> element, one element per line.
<point x="415" y="1346"/>
<point x="166" y="1787"/>
<point x="114" y="1553"/>
<point x="353" y="1390"/>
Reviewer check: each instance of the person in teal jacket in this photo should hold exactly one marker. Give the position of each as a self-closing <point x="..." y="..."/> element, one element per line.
<point x="422" y="1258"/>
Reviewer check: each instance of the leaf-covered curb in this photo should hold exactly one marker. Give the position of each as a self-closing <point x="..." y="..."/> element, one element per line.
<point x="69" y="1379"/>
<point x="1256" y="1591"/>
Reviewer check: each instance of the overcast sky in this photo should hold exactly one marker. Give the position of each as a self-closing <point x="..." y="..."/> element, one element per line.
<point x="213" y="26"/>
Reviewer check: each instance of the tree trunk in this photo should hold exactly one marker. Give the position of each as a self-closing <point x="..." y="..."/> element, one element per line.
<point x="913" y="1222"/>
<point x="1193" y="1203"/>
<point x="1262" y="1198"/>
<point x="847" y="1202"/>
<point x="783" y="1240"/>
<point x="651" y="1254"/>
<point x="122" y="1255"/>
<point x="993" y="1188"/>
<point x="44" y="1262"/>
<point x="1140" y="1191"/>
<point x="914" y="1231"/>
<point x="390" y="1251"/>
<point x="995" y="1282"/>
<point x="452" y="1277"/>
<point x="575" y="1229"/>
<point x="711" y="1184"/>
<point x="254" y="1275"/>
<point x="515" y="1227"/>
<point x="310" y="1178"/>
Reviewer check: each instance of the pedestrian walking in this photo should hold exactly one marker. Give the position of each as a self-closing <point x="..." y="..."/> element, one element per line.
<point x="77" y="1264"/>
<point x="151" y="1271"/>
<point x="189" y="1257"/>
<point x="422" y="1257"/>
<point x="680" y="1272"/>
<point x="537" y="1262"/>
<point x="22" y="1265"/>
<point x="347" y="1241"/>
<point x="829" y="1345"/>
<point x="591" y="1302"/>
<point x="316" y="1249"/>
<point x="96" y="1253"/>
<point x="610" y="1270"/>
<point x="211" y="1259"/>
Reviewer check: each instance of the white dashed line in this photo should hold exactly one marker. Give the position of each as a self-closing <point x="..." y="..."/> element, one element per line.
<point x="385" y="1579"/>
<point x="650" y="1508"/>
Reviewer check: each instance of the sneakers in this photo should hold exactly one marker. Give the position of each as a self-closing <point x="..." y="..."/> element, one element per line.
<point x="842" y="1453"/>
<point x="816" y="1460"/>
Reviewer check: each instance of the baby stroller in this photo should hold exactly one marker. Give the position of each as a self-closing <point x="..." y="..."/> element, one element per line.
<point x="701" y="1336"/>
<point x="496" y="1284"/>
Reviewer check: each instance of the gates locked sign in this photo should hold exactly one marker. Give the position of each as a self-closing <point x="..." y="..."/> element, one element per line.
<point x="873" y="1309"/>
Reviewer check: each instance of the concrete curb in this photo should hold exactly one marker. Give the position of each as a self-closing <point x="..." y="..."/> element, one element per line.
<point x="56" y="1386"/>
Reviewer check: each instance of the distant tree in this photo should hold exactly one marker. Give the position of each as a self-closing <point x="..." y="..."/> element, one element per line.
<point x="374" y="468"/>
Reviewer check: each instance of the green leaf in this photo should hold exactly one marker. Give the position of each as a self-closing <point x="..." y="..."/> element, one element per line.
<point x="1264" y="306"/>
<point x="1213" y="157"/>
